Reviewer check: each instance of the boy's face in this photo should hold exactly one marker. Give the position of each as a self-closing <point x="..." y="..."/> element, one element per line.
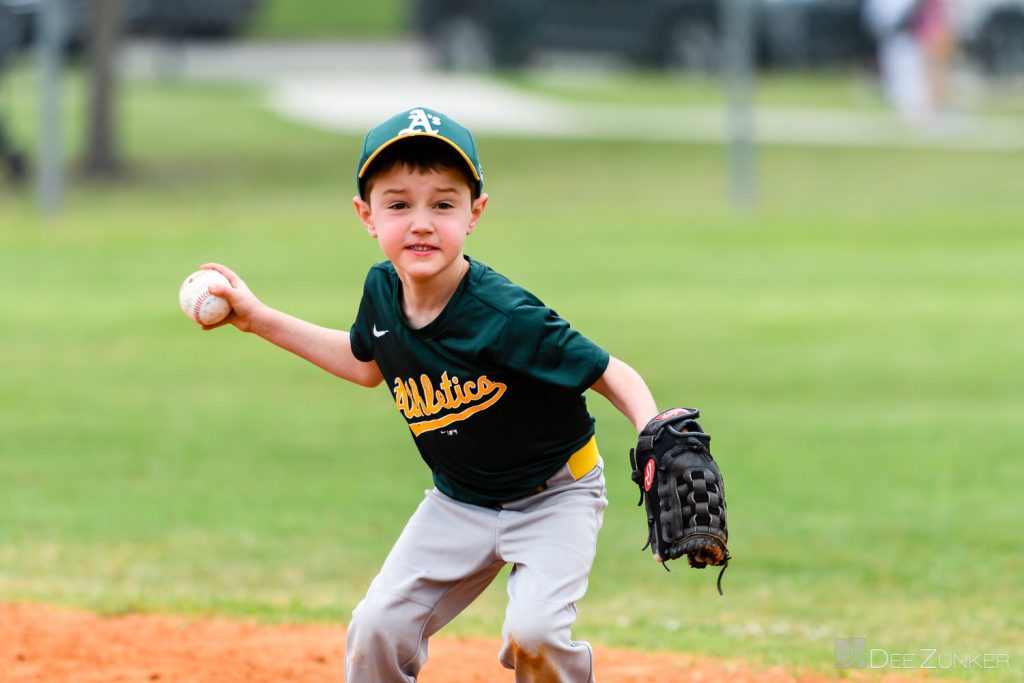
<point x="421" y="220"/>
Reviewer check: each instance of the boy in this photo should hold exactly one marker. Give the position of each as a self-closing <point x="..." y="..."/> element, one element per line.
<point x="490" y="382"/>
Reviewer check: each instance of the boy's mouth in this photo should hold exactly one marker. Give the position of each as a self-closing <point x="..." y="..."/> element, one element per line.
<point x="421" y="248"/>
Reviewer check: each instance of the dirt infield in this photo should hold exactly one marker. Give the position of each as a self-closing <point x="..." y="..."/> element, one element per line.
<point x="48" y="645"/>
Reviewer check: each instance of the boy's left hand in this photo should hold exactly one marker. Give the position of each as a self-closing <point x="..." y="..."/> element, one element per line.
<point x="683" y="489"/>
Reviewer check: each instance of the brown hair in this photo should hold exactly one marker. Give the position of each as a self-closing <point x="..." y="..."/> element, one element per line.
<point x="419" y="153"/>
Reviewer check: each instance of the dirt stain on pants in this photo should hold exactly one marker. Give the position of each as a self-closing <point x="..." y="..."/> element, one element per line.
<point x="533" y="667"/>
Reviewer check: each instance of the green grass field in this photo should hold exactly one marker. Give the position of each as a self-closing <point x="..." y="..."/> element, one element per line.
<point x="330" y="19"/>
<point x="855" y="346"/>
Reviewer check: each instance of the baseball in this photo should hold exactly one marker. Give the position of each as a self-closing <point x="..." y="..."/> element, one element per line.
<point x="196" y="300"/>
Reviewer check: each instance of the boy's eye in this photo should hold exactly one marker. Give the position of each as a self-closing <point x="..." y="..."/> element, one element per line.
<point x="397" y="206"/>
<point x="444" y="205"/>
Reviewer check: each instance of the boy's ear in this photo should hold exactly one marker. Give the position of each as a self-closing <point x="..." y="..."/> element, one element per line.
<point x="479" y="204"/>
<point x="365" y="215"/>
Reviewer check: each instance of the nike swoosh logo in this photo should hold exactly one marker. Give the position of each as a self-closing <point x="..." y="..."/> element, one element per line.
<point x="379" y="333"/>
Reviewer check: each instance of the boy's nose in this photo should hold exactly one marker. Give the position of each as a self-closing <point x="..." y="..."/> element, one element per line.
<point x="421" y="224"/>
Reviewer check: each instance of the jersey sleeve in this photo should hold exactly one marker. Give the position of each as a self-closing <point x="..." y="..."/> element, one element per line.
<point x="537" y="343"/>
<point x="359" y="336"/>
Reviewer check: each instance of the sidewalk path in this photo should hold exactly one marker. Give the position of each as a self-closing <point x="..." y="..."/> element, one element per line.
<point x="350" y="87"/>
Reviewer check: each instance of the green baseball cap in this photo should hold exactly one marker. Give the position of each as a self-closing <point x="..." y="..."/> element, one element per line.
<point x="419" y="122"/>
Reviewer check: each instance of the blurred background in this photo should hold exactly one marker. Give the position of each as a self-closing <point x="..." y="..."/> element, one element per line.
<point x="802" y="216"/>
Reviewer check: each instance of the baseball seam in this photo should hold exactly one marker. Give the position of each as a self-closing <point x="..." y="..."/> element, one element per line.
<point x="198" y="305"/>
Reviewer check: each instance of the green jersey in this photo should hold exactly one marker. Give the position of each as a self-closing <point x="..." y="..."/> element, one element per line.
<point x="492" y="389"/>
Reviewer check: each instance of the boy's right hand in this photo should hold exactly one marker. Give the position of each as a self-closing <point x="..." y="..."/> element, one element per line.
<point x="245" y="307"/>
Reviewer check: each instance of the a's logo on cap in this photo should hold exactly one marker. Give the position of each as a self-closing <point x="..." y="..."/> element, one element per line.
<point x="420" y="123"/>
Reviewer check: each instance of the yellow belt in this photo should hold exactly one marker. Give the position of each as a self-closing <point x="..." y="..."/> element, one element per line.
<point x="585" y="459"/>
<point x="580" y="463"/>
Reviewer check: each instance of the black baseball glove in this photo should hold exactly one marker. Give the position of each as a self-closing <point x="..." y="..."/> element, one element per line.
<point x="682" y="486"/>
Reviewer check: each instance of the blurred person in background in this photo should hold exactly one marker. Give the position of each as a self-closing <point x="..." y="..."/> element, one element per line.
<point x="932" y="28"/>
<point x="901" y="58"/>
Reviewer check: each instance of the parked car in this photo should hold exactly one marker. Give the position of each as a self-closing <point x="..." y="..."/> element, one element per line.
<point x="18" y="16"/>
<point x="686" y="34"/>
<point x="12" y="159"/>
<point x="202" y="18"/>
<point x="173" y="18"/>
<point x="991" y="32"/>
<point x="812" y="32"/>
<point x="9" y="33"/>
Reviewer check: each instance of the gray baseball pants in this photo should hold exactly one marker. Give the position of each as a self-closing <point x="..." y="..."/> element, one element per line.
<point x="449" y="552"/>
